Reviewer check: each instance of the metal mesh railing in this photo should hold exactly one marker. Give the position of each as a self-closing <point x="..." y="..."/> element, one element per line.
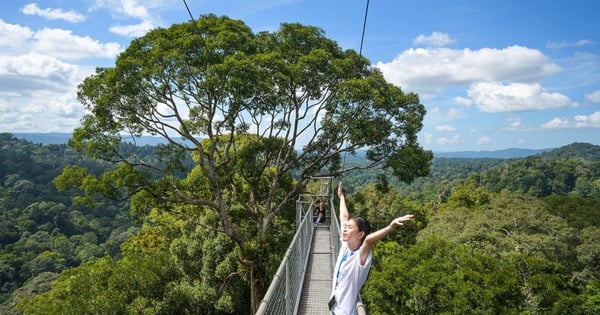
<point x="334" y="229"/>
<point x="283" y="294"/>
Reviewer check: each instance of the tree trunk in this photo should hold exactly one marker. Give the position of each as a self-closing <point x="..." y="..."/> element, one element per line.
<point x="255" y="296"/>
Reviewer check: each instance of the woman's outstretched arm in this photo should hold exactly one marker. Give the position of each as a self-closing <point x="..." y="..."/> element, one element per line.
<point x="376" y="236"/>
<point x="344" y="216"/>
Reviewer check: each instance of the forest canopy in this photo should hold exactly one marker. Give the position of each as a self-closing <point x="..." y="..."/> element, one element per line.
<point x="199" y="224"/>
<point x="512" y="250"/>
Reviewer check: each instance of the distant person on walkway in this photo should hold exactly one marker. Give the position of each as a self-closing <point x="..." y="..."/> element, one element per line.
<point x="320" y="211"/>
<point x="355" y="257"/>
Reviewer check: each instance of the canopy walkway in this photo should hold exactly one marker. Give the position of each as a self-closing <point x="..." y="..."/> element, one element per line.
<point x="302" y="284"/>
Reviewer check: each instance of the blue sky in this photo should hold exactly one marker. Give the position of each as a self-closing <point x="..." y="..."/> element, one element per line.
<point x="492" y="74"/>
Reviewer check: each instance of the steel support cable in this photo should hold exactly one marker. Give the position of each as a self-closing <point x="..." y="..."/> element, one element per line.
<point x="362" y="38"/>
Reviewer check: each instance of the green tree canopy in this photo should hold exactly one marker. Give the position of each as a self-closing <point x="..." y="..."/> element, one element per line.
<point x="251" y="109"/>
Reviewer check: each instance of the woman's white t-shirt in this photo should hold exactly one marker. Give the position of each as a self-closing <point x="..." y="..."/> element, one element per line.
<point x="348" y="278"/>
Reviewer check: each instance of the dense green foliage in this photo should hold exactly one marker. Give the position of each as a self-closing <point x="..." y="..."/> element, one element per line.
<point x="240" y="104"/>
<point x="214" y="206"/>
<point x="478" y="251"/>
<point x="41" y="231"/>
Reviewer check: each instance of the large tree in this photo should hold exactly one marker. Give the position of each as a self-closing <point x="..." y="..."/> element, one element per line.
<point x="260" y="113"/>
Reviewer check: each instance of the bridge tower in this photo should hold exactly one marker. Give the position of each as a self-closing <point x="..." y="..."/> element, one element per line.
<point x="319" y="187"/>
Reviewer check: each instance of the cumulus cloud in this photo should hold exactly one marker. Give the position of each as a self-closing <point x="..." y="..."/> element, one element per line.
<point x="496" y="97"/>
<point x="128" y="9"/>
<point x="428" y="71"/>
<point x="593" y="97"/>
<point x="428" y="138"/>
<point x="12" y="35"/>
<point x="453" y="112"/>
<point x="431" y="139"/>
<point x="445" y="128"/>
<point x="133" y="9"/>
<point x="133" y="30"/>
<point x="564" y="44"/>
<point x="463" y="101"/>
<point x="53" y="14"/>
<point x="64" y="44"/>
<point x="45" y="97"/>
<point x="436" y="39"/>
<point x="578" y="121"/>
<point x="444" y="140"/>
<point x="36" y="72"/>
<point x="484" y="140"/>
<point x="514" y="123"/>
<point x="585" y="121"/>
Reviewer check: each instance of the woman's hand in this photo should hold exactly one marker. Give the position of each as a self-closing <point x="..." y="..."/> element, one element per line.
<point x="400" y="220"/>
<point x="340" y="191"/>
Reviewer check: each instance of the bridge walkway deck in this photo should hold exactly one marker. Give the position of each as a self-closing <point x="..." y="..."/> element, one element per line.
<point x="317" y="281"/>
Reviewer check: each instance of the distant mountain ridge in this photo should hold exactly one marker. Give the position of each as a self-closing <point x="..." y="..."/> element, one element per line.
<point x="62" y="138"/>
<point x="509" y="153"/>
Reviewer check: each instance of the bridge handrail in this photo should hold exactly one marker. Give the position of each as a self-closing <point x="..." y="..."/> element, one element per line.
<point x="283" y="295"/>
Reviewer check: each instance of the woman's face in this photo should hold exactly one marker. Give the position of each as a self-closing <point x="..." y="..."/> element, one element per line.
<point x="351" y="232"/>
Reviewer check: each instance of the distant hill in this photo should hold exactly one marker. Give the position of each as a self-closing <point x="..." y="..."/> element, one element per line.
<point x="44" y="138"/>
<point x="579" y="150"/>
<point x="499" y="154"/>
<point x="62" y="138"/>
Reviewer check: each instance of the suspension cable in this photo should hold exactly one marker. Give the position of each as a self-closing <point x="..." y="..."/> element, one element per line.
<point x="362" y="38"/>
<point x="192" y="17"/>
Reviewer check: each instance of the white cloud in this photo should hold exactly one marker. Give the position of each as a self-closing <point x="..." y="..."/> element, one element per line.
<point x="4" y="106"/>
<point x="12" y="35"/>
<point x="35" y="71"/>
<point x="53" y="14"/>
<point x="428" y="138"/>
<point x="436" y="39"/>
<point x="593" y="97"/>
<point x="453" y="112"/>
<point x="514" y="123"/>
<point x="463" y="101"/>
<point x="556" y="123"/>
<point x="133" y="30"/>
<point x="484" y="140"/>
<point x="496" y="97"/>
<point x="563" y="44"/>
<point x="147" y="14"/>
<point x="132" y="9"/>
<point x="429" y="71"/>
<point x="431" y="139"/>
<point x="63" y="44"/>
<point x="444" y="140"/>
<point x="42" y="110"/>
<point x="445" y="128"/>
<point x="584" y="121"/>
<point x="579" y="121"/>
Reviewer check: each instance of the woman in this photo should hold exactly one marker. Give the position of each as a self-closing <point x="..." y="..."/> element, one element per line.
<point x="355" y="257"/>
<point x="320" y="211"/>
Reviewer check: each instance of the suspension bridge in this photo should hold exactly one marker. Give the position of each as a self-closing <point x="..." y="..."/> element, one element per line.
<point x="302" y="284"/>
